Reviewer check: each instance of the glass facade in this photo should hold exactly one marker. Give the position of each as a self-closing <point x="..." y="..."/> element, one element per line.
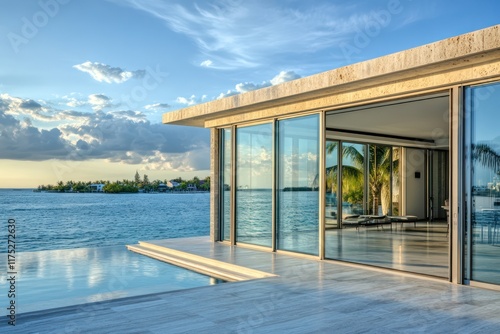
<point x="483" y="189"/>
<point x="384" y="167"/>
<point x="371" y="181"/>
<point x="296" y="195"/>
<point x="276" y="192"/>
<point x="254" y="171"/>
<point x="298" y="189"/>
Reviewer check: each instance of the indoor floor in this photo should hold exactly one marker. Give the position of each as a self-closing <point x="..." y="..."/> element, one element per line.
<point x="419" y="248"/>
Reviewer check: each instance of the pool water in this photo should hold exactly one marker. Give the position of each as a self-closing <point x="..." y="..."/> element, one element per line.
<point x="57" y="278"/>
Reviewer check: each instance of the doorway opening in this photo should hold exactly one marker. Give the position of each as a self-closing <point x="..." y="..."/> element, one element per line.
<point x="387" y="185"/>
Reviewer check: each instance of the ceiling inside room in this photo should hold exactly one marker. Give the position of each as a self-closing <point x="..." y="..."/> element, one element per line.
<point x="423" y="121"/>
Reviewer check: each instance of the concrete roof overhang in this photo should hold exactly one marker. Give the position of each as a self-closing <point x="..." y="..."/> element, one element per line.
<point x="454" y="61"/>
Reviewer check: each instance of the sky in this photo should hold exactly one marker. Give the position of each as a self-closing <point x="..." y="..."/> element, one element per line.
<point x="84" y="83"/>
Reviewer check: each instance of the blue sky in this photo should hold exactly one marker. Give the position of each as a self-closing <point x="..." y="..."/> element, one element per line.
<point x="83" y="84"/>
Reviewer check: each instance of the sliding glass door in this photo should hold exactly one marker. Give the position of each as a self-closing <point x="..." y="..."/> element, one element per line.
<point x="254" y="174"/>
<point x="483" y="147"/>
<point x="298" y="191"/>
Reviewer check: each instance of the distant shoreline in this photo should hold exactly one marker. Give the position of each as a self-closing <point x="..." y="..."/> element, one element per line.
<point x="102" y="192"/>
<point x="35" y="190"/>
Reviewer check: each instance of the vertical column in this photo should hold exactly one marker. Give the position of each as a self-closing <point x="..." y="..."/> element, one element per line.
<point x="322" y="184"/>
<point x="456" y="241"/>
<point x="232" y="228"/>
<point x="274" y="228"/>
<point x="214" y="185"/>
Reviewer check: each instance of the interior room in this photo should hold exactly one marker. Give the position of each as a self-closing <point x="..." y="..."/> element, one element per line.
<point x="387" y="184"/>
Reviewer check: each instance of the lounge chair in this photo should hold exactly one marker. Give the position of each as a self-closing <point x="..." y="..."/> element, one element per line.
<point x="378" y="221"/>
<point x="353" y="221"/>
<point x="404" y="219"/>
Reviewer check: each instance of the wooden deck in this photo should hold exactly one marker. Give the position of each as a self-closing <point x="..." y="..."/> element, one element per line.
<point x="307" y="296"/>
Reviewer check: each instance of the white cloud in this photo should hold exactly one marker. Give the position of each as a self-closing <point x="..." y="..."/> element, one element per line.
<point x="73" y="100"/>
<point x="105" y="73"/>
<point x="283" y="76"/>
<point x="157" y="106"/>
<point x="15" y="106"/>
<point x="124" y="136"/>
<point x="207" y="63"/>
<point x="192" y="100"/>
<point x="75" y="103"/>
<point x="243" y="34"/>
<point x="99" y="101"/>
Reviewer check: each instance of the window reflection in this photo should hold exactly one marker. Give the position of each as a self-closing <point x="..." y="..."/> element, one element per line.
<point x="254" y="151"/>
<point x="298" y="193"/>
<point x="483" y="106"/>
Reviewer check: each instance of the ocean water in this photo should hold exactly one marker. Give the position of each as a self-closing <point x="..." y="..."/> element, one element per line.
<point x="58" y="278"/>
<point x="70" y="248"/>
<point x="49" y="221"/>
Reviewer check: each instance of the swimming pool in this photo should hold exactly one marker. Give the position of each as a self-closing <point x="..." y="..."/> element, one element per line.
<point x="57" y="278"/>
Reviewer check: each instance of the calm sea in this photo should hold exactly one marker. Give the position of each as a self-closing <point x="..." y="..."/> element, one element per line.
<point x="48" y="221"/>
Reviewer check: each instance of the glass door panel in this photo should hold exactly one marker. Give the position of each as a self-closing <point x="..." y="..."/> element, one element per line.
<point x="254" y="152"/>
<point x="484" y="147"/>
<point x="298" y="192"/>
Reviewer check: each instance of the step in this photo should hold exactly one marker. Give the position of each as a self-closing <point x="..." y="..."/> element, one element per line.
<point x="214" y="268"/>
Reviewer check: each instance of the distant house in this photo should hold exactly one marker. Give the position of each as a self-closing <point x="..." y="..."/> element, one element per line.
<point x="173" y="184"/>
<point x="162" y="187"/>
<point x="191" y="187"/>
<point x="96" y="187"/>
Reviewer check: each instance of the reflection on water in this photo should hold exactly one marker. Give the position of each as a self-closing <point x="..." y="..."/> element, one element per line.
<point x="253" y="216"/>
<point x="49" y="279"/>
<point x="298" y="219"/>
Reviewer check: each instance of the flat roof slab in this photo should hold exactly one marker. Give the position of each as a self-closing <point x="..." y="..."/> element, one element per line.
<point x="459" y="55"/>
